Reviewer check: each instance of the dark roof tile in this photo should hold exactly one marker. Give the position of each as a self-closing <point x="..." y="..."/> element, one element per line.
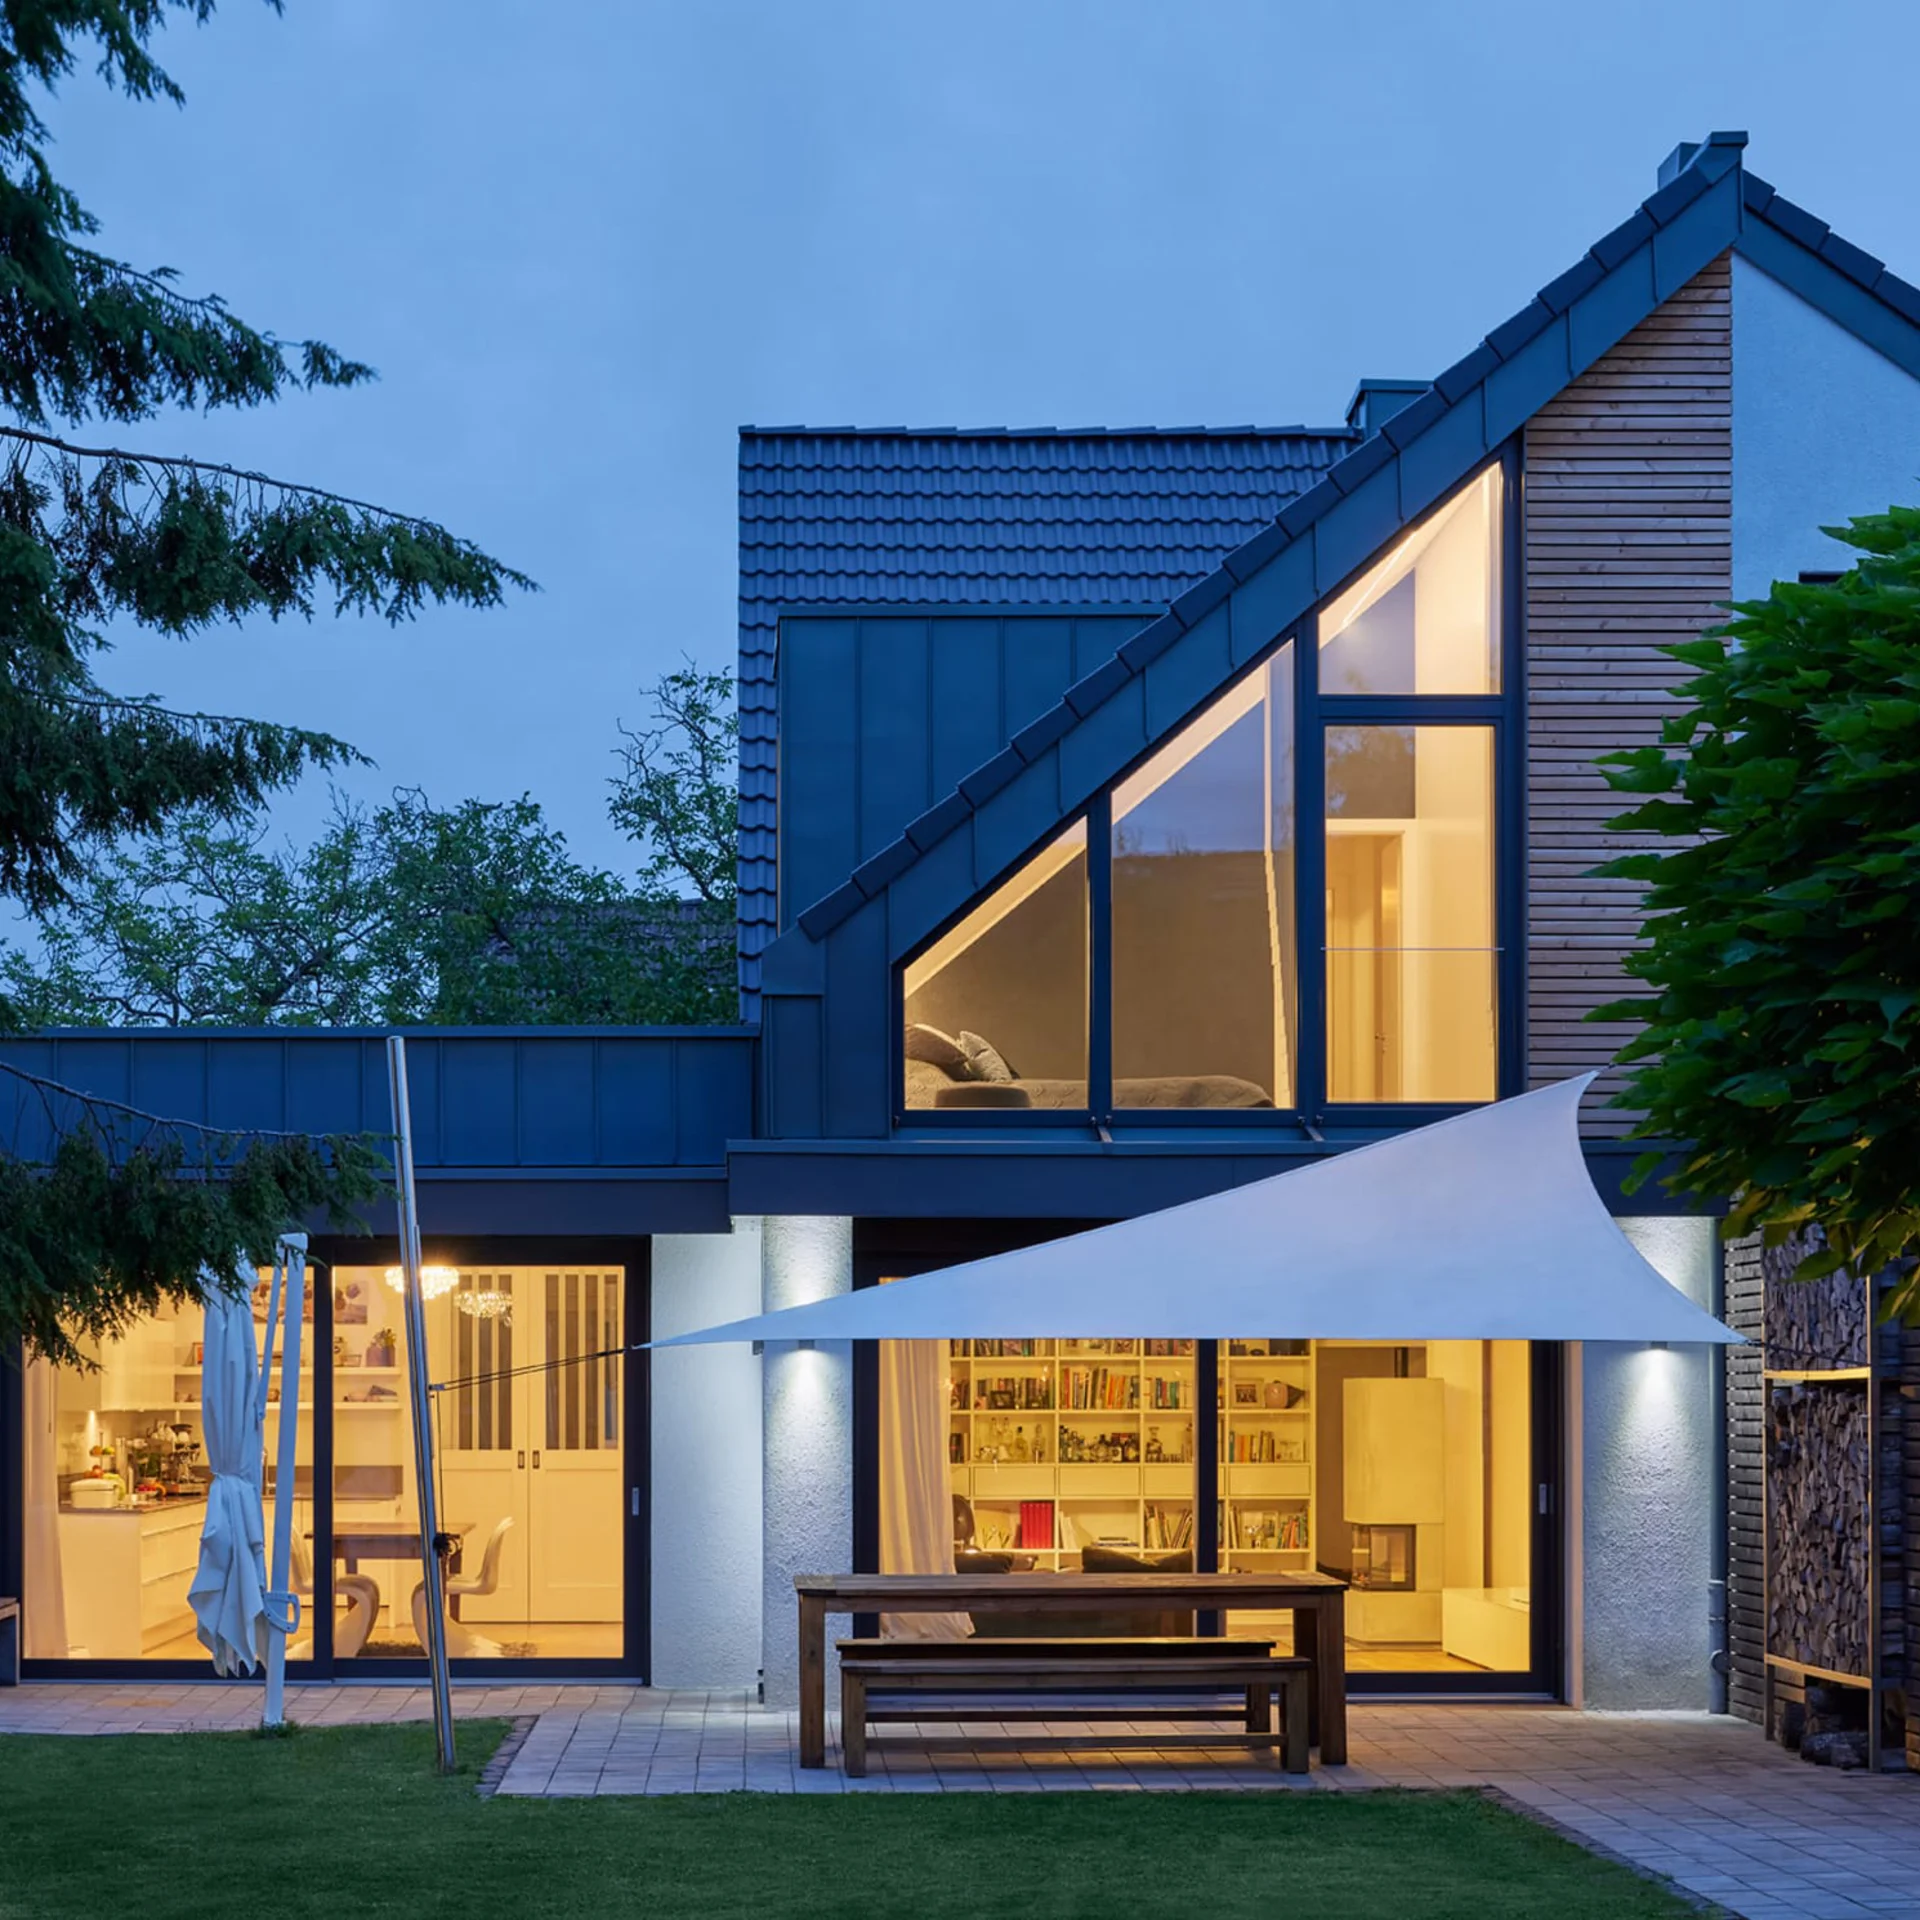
<point x="1560" y="293"/>
<point x="823" y="916"/>
<point x="1200" y="599"/>
<point x="1362" y="463"/>
<point x="1094" y="689"/>
<point x="987" y="780"/>
<point x="1032" y="741"/>
<point x="939" y="820"/>
<point x="1511" y="335"/>
<point x="1611" y="248"/>
<point x="1467" y="373"/>
<point x="1901" y="295"/>
<point x="1757" y="193"/>
<point x="1152" y="641"/>
<point x="1298" y="517"/>
<point x="1676" y="196"/>
<point x="1855" y="262"/>
<point x="1413" y="420"/>
<point x="1795" y="222"/>
<point x="888" y="864"/>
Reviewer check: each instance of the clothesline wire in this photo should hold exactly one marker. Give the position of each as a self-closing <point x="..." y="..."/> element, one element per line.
<point x="533" y="1366"/>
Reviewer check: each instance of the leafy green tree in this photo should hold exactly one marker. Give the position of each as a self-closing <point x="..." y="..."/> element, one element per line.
<point x="1780" y="1040"/>
<point x="407" y="915"/>
<point x="92" y="534"/>
<point x="676" y="793"/>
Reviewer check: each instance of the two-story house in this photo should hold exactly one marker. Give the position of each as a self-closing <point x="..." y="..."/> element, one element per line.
<point x="1125" y="815"/>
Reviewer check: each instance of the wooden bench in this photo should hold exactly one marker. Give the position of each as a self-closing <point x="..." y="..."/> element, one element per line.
<point x="9" y="1642"/>
<point x="1065" y="1667"/>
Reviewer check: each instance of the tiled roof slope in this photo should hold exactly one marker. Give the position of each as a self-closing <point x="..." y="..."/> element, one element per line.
<point x="1041" y="517"/>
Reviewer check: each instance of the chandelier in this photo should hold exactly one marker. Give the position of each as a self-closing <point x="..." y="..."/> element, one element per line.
<point x="485" y="1303"/>
<point x="434" y="1281"/>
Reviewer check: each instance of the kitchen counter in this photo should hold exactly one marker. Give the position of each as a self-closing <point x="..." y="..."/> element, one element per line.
<point x="174" y="1503"/>
<point x="126" y="1571"/>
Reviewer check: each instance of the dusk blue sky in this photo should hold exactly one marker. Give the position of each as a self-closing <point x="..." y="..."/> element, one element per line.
<point x="583" y="243"/>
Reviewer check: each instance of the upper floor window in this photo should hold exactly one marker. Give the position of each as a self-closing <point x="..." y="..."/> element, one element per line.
<point x="1290" y="904"/>
<point x="1204" y="961"/>
<point x="1426" y="618"/>
<point x="997" y="1008"/>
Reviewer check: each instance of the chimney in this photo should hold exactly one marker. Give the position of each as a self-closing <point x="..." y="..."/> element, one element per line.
<point x="1375" y="401"/>
<point x="1728" y="146"/>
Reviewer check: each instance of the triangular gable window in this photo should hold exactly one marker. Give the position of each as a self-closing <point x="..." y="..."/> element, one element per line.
<point x="1291" y="904"/>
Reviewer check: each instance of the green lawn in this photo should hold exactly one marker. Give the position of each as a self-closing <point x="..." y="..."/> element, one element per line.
<point x="350" y="1823"/>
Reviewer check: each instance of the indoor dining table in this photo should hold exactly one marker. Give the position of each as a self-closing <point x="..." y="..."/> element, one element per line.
<point x="1316" y="1601"/>
<point x="386" y="1538"/>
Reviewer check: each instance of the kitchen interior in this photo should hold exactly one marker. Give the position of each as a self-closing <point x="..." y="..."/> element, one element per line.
<point x="539" y="1571"/>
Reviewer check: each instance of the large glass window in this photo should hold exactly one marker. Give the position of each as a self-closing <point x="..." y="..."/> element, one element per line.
<point x="116" y="1481"/>
<point x="1048" y="1455"/>
<point x="1164" y="953"/>
<point x="1404" y="1467"/>
<point x="528" y="1452"/>
<point x="1407" y="1469"/>
<point x="1410" y="914"/>
<point x="1203" y="908"/>
<point x="996" y="1010"/>
<point x="1426" y="618"/>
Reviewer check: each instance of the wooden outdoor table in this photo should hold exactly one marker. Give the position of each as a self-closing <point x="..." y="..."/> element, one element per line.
<point x="1317" y="1602"/>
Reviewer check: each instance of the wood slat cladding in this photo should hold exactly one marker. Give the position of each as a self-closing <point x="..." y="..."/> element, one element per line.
<point x="1628" y="547"/>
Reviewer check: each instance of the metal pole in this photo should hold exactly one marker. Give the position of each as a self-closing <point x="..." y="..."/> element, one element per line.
<point x="283" y="1609"/>
<point x="431" y="1565"/>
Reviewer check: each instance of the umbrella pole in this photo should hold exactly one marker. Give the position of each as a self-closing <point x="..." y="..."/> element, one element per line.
<point x="283" y="1605"/>
<point x="432" y="1567"/>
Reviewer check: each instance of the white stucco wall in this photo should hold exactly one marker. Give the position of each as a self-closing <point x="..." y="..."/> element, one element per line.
<point x="1648" y="1432"/>
<point x="808" y="1433"/>
<point x="1823" y="428"/>
<point x="706" y="1465"/>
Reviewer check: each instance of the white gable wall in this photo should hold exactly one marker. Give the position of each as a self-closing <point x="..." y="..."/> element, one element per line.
<point x="1824" y="428"/>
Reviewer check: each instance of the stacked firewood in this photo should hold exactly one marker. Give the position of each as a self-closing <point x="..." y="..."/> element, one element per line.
<point x="1819" y="1465"/>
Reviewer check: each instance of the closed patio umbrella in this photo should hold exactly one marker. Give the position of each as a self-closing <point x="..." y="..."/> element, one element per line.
<point x="228" y="1592"/>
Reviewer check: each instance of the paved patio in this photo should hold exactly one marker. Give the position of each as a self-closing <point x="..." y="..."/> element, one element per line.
<point x="1702" y="1800"/>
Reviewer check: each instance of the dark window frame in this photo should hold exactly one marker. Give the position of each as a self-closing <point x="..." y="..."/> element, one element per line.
<point x="634" y="1663"/>
<point x="1503" y="712"/>
<point x="894" y="1249"/>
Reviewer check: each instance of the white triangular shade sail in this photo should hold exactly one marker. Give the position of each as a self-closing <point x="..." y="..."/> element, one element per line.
<point x="1482" y="1227"/>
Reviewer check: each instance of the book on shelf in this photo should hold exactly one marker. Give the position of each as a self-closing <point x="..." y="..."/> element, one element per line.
<point x="1167" y="1527"/>
<point x="1100" y="1389"/>
<point x="1036" y="1523"/>
<point x="1011" y="1392"/>
<point x="1263" y="1529"/>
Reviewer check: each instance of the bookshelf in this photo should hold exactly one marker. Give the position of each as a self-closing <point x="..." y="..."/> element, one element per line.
<point x="1060" y="1444"/>
<point x="1266" y="1429"/>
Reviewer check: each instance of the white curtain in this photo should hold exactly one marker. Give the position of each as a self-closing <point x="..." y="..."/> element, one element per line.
<point x="44" y="1604"/>
<point x="916" y="1499"/>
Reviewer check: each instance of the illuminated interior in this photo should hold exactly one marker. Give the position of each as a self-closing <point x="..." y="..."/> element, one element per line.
<point x="1411" y="955"/>
<point x="996" y="1009"/>
<point x="1204" y="956"/>
<point x="1426" y="618"/>
<point x="530" y="1462"/>
<point x="1406" y="1468"/>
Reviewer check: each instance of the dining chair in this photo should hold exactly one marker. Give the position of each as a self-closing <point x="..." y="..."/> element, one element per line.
<point x="361" y="1593"/>
<point x="461" y="1641"/>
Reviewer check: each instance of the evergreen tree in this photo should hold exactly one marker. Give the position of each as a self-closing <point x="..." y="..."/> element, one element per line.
<point x="91" y="534"/>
